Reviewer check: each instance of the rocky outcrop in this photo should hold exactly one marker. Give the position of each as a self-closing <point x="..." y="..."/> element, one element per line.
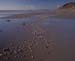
<point x="70" y="5"/>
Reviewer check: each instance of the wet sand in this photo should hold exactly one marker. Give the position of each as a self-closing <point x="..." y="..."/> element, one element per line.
<point x="33" y="46"/>
<point x="38" y="38"/>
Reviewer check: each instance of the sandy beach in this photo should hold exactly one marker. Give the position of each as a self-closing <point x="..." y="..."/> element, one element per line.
<point x="37" y="30"/>
<point x="35" y="44"/>
<point x="38" y="37"/>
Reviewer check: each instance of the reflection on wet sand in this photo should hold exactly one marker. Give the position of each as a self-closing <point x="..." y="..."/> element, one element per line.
<point x="36" y="47"/>
<point x="38" y="38"/>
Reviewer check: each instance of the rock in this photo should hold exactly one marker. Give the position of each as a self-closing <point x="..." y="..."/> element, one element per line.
<point x="47" y="46"/>
<point x="70" y="5"/>
<point x="23" y="23"/>
<point x="15" y="52"/>
<point x="6" y="50"/>
<point x="32" y="57"/>
<point x="8" y="20"/>
<point x="41" y="37"/>
<point x="20" y="50"/>
<point x="15" y="56"/>
<point x="1" y="54"/>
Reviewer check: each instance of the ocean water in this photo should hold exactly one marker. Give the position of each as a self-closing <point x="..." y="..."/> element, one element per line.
<point x="62" y="31"/>
<point x="9" y="13"/>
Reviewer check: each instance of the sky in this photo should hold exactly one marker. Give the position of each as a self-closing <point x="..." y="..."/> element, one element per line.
<point x="31" y="4"/>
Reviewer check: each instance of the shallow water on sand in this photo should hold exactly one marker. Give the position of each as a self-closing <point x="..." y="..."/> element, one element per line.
<point x="60" y="31"/>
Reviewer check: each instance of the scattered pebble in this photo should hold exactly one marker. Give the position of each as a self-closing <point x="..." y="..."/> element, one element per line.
<point x="15" y="52"/>
<point x="7" y="50"/>
<point x="15" y="56"/>
<point x="8" y="20"/>
<point x="37" y="35"/>
<point x="29" y="48"/>
<point x="32" y="56"/>
<point x="23" y="23"/>
<point x="20" y="50"/>
<point x="47" y="46"/>
<point x="1" y="54"/>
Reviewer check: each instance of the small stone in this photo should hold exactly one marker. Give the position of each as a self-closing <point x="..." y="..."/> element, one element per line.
<point x="20" y="50"/>
<point x="7" y="50"/>
<point x="24" y="24"/>
<point x="40" y="37"/>
<point x="8" y="20"/>
<point x="48" y="42"/>
<point x="29" y="48"/>
<point x="15" y="52"/>
<point x="32" y="56"/>
<point x="47" y="46"/>
<point x="15" y="56"/>
<point x="24" y="55"/>
<point x="1" y="54"/>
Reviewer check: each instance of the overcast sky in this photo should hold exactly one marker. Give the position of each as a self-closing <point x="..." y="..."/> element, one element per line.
<point x="30" y="4"/>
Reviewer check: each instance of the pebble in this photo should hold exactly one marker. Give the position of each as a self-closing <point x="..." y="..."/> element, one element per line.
<point x="15" y="52"/>
<point x="23" y="23"/>
<point x="29" y="48"/>
<point x="47" y="46"/>
<point x="40" y="37"/>
<point x="8" y="20"/>
<point x="20" y="50"/>
<point x="1" y="54"/>
<point x="32" y="56"/>
<point x="6" y="50"/>
<point x="15" y="56"/>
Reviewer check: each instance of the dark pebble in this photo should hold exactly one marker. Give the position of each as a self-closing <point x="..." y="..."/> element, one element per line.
<point x="1" y="30"/>
<point x="24" y="24"/>
<point x="1" y="54"/>
<point x="7" y="50"/>
<point x="8" y="20"/>
<point x="20" y="50"/>
<point x="47" y="46"/>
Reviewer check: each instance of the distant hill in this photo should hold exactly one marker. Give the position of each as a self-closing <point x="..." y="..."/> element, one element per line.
<point x="70" y="5"/>
<point x="67" y="10"/>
